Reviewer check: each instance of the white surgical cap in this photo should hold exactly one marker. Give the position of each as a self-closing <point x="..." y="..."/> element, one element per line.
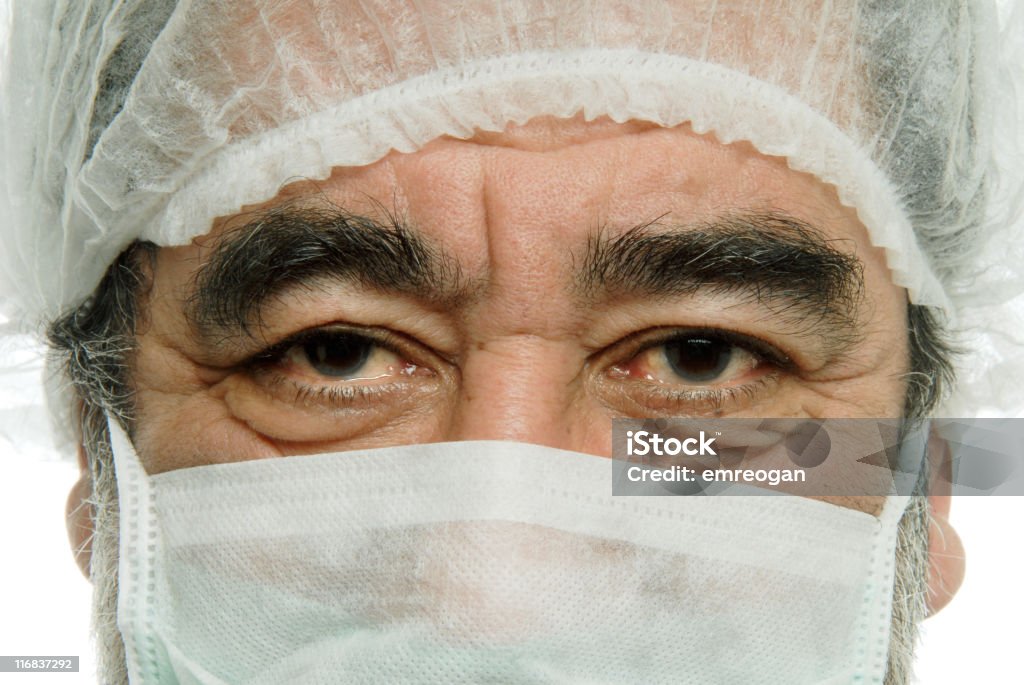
<point x="128" y="120"/>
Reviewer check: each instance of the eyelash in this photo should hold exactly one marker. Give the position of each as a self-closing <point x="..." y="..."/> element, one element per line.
<point x="700" y="400"/>
<point x="263" y="364"/>
<point x="338" y="395"/>
<point x="273" y="354"/>
<point x="713" y="399"/>
<point x="640" y="342"/>
<point x="690" y="400"/>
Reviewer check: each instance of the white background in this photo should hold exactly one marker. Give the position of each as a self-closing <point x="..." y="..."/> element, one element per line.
<point x="45" y="602"/>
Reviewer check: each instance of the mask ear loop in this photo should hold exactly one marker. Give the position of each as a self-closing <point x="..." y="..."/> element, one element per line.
<point x="908" y="469"/>
<point x="874" y="634"/>
<point x="137" y="558"/>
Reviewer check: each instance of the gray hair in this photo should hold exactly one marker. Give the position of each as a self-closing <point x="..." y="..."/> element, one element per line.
<point x="94" y="344"/>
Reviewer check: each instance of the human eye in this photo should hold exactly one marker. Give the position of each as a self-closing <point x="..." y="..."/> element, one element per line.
<point x="342" y="365"/>
<point x="691" y="370"/>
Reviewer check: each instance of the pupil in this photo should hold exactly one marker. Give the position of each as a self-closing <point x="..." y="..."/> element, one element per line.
<point x="337" y="355"/>
<point x="698" y="359"/>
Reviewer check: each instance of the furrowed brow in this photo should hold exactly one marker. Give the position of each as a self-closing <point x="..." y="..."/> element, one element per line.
<point x="293" y="246"/>
<point x="773" y="260"/>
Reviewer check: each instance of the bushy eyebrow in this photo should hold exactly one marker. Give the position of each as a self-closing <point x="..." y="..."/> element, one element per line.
<point x="299" y="246"/>
<point x="787" y="267"/>
<point x="771" y="259"/>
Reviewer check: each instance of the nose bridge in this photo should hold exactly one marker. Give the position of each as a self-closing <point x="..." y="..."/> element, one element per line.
<point x="519" y="387"/>
<point x="522" y="368"/>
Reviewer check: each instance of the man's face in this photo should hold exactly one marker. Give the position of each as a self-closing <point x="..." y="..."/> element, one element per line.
<point x="528" y="285"/>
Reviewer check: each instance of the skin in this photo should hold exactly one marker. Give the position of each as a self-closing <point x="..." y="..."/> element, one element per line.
<point x="521" y="360"/>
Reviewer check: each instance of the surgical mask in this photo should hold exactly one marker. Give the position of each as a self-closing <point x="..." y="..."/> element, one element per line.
<point x="488" y="562"/>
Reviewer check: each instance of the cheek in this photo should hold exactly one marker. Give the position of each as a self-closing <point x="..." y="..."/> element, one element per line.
<point x="877" y="395"/>
<point x="181" y="418"/>
<point x="224" y="424"/>
<point x="189" y="415"/>
<point x="417" y="415"/>
<point x="178" y="431"/>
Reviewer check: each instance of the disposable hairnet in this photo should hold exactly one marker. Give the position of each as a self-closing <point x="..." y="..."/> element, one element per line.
<point x="148" y="119"/>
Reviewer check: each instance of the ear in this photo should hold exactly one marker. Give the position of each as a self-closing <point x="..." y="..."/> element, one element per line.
<point x="946" y="561"/>
<point x="79" y="516"/>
